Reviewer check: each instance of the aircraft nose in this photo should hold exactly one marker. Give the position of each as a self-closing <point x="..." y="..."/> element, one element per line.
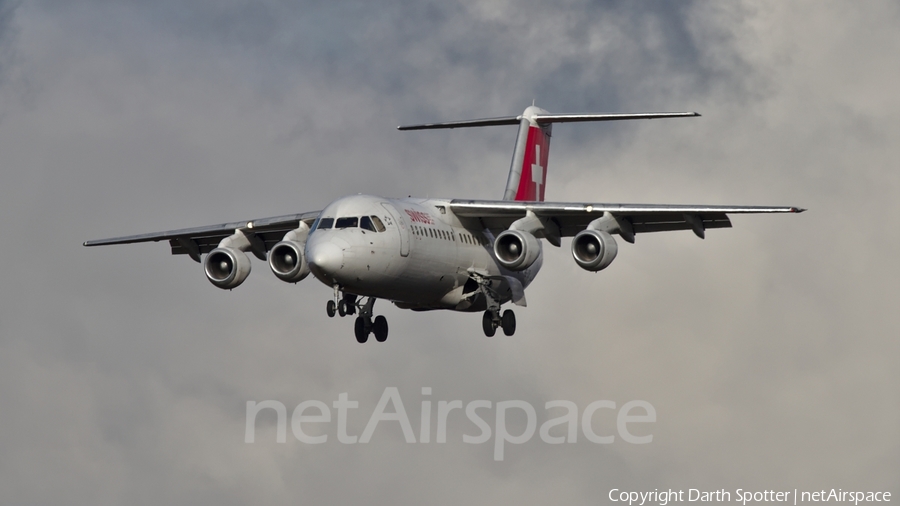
<point x="325" y="259"/>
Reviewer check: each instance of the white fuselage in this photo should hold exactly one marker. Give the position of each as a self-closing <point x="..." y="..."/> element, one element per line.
<point x="415" y="252"/>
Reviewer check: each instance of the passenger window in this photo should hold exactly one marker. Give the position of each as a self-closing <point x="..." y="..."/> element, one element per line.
<point x="379" y="226"/>
<point x="347" y="222"/>
<point x="325" y="223"/>
<point x="366" y="223"/>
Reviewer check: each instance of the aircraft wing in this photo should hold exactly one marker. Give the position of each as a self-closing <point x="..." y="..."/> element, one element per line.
<point x="199" y="240"/>
<point x="571" y="218"/>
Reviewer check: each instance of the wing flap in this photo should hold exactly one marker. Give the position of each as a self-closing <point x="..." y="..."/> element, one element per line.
<point x="676" y="221"/>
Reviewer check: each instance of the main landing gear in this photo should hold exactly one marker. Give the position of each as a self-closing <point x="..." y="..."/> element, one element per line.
<point x="347" y="304"/>
<point x="492" y="317"/>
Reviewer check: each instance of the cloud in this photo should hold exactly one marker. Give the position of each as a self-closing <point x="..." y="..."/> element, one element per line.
<point x="766" y="349"/>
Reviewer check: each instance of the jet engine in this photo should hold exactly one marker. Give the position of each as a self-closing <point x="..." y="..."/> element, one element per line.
<point x="594" y="250"/>
<point x="288" y="262"/>
<point x="516" y="250"/>
<point x="226" y="267"/>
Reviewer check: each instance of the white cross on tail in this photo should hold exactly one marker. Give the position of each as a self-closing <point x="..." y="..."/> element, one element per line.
<point x="537" y="172"/>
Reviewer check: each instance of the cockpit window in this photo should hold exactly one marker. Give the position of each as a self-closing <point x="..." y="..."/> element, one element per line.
<point x="372" y="223"/>
<point x="323" y="224"/>
<point x="351" y="222"/>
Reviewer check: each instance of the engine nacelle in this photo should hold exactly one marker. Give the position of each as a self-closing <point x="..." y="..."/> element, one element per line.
<point x="226" y="267"/>
<point x="287" y="261"/>
<point x="594" y="250"/>
<point x="516" y="250"/>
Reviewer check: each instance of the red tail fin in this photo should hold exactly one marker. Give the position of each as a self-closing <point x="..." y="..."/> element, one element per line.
<point x="534" y="164"/>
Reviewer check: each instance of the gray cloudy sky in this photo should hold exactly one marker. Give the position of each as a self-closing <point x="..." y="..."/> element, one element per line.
<point x="769" y="351"/>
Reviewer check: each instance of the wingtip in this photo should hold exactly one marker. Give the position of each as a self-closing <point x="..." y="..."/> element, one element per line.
<point x="697" y="114"/>
<point x="797" y="210"/>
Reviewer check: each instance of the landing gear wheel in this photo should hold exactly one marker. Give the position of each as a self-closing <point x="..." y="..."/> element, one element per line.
<point x="361" y="330"/>
<point x="330" y="308"/>
<point x="380" y="328"/>
<point x="487" y="324"/>
<point x="342" y="308"/>
<point x="508" y="322"/>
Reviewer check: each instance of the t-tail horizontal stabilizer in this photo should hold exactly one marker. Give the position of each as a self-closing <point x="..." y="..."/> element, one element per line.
<point x="528" y="170"/>
<point x="545" y="119"/>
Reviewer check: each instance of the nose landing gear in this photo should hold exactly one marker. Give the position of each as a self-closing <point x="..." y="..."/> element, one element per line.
<point x="347" y="304"/>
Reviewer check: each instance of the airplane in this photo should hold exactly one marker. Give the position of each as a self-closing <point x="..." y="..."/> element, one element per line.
<point x="428" y="254"/>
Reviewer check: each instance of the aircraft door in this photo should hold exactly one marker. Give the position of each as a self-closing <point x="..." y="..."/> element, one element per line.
<point x="401" y="227"/>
